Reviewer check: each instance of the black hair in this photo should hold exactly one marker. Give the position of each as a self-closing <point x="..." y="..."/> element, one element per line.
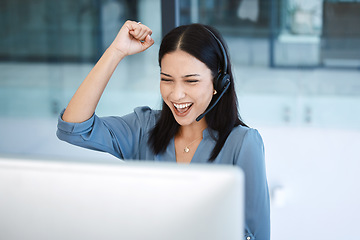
<point x="196" y="40"/>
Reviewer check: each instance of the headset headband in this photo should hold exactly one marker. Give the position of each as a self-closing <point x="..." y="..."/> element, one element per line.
<point x="222" y="51"/>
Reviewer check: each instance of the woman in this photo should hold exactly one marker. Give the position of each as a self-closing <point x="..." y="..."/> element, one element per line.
<point x="195" y="77"/>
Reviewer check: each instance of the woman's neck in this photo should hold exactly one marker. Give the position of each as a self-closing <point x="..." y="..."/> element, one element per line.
<point x="192" y="131"/>
<point x="187" y="140"/>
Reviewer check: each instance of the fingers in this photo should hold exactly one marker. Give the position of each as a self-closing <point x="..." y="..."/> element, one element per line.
<point x="148" y="42"/>
<point x="138" y="30"/>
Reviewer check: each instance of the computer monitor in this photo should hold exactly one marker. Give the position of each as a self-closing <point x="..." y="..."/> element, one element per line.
<point x="47" y="199"/>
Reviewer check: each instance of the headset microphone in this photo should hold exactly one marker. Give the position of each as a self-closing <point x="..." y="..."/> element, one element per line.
<point x="222" y="81"/>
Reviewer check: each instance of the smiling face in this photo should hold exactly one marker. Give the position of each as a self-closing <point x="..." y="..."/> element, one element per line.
<point x="186" y="86"/>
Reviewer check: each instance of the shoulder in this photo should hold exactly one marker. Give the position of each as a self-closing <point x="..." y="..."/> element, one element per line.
<point x="143" y="117"/>
<point x="142" y="114"/>
<point x="245" y="133"/>
<point x="247" y="144"/>
<point x="146" y="113"/>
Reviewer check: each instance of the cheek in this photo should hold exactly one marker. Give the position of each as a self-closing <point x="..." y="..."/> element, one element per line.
<point x="209" y="96"/>
<point x="208" y="92"/>
<point x="162" y="91"/>
<point x="204" y="98"/>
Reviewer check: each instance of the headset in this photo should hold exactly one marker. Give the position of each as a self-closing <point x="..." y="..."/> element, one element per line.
<point x="222" y="82"/>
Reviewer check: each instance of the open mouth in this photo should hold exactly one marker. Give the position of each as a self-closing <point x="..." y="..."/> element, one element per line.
<point x="182" y="108"/>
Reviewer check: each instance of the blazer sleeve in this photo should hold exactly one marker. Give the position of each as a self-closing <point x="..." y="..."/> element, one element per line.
<point x="119" y="136"/>
<point x="257" y="203"/>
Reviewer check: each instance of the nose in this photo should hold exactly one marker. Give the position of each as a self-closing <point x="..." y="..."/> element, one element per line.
<point x="178" y="92"/>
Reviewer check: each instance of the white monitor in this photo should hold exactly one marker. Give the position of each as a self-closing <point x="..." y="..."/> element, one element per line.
<point x="42" y="199"/>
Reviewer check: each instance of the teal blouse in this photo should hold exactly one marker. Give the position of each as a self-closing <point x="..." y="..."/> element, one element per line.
<point x="126" y="138"/>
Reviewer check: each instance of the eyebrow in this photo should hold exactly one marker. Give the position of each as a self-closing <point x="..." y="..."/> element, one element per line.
<point x="185" y="76"/>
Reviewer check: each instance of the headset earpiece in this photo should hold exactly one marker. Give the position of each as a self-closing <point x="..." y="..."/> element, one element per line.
<point x="221" y="81"/>
<point x="223" y="78"/>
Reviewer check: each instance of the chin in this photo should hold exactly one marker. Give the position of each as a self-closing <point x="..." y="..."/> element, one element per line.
<point x="185" y="121"/>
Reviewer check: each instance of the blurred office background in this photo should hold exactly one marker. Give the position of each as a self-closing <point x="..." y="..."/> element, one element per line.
<point x="297" y="70"/>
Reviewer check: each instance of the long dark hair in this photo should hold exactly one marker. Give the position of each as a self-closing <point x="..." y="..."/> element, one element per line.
<point x="196" y="40"/>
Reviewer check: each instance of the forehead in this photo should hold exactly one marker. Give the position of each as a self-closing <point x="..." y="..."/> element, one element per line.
<point x="182" y="62"/>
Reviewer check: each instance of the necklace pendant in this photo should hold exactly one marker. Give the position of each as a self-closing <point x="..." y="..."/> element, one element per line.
<point x="186" y="149"/>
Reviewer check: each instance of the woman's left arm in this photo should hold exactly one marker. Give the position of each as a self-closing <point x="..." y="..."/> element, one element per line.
<point x="251" y="158"/>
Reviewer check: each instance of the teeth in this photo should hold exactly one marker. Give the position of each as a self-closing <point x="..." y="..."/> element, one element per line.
<point x="182" y="105"/>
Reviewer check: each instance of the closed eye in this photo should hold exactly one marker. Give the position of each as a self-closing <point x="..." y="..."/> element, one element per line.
<point x="192" y="81"/>
<point x="166" y="80"/>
